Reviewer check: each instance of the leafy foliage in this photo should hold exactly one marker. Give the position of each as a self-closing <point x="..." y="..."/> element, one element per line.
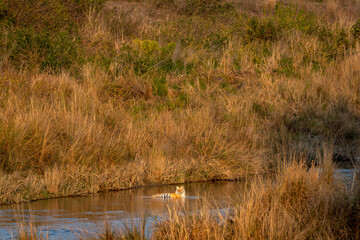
<point x="48" y="51"/>
<point x="44" y="34"/>
<point x="355" y="30"/>
<point x="260" y="29"/>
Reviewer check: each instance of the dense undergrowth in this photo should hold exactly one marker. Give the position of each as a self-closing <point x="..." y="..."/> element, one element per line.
<point x="97" y="97"/>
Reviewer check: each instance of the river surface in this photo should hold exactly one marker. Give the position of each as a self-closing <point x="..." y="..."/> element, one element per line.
<point x="71" y="217"/>
<point x="66" y="218"/>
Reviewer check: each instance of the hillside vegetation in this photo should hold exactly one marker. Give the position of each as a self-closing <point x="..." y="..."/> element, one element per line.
<point x="106" y="95"/>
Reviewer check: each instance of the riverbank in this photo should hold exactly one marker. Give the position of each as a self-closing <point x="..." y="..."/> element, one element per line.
<point x="300" y="202"/>
<point x="301" y="205"/>
<point x="217" y="91"/>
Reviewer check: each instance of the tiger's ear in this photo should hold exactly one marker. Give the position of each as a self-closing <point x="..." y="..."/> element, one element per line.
<point x="177" y="187"/>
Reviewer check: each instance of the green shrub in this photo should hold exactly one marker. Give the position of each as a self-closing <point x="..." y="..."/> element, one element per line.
<point x="258" y="52"/>
<point x="198" y="7"/>
<point x="290" y="17"/>
<point x="271" y="26"/>
<point x="342" y="40"/>
<point x="260" y="29"/>
<point x="50" y="14"/>
<point x="334" y="45"/>
<point x="160" y="86"/>
<point x="147" y="55"/>
<point x="178" y="103"/>
<point x="310" y="60"/>
<point x="45" y="50"/>
<point x="146" y="47"/>
<point x="215" y="41"/>
<point x="355" y="30"/>
<point x="263" y="110"/>
<point x="3" y="10"/>
<point x="44" y="34"/>
<point x="286" y="66"/>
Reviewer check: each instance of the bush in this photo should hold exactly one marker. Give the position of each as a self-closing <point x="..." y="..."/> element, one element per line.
<point x="334" y="45"/>
<point x="216" y="41"/>
<point x="147" y="55"/>
<point x="355" y="30"/>
<point x="260" y="29"/>
<point x="286" y="66"/>
<point x="263" y="110"/>
<point x="50" y="14"/>
<point x="44" y="50"/>
<point x="3" y="10"/>
<point x="198" y="7"/>
<point x="289" y="17"/>
<point x="44" y="34"/>
<point x="159" y="86"/>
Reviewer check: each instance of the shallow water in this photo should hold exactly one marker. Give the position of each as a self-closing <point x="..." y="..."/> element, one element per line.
<point x="67" y="218"/>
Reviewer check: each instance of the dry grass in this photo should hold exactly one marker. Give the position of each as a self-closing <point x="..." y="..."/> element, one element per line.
<point x="302" y="204"/>
<point x="197" y="96"/>
<point x="27" y="231"/>
<point x="91" y="145"/>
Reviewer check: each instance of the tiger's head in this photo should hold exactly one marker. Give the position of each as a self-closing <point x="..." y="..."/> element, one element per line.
<point x="180" y="191"/>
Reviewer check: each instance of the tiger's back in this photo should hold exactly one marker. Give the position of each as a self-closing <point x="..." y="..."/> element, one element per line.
<point x="180" y="192"/>
<point x="166" y="195"/>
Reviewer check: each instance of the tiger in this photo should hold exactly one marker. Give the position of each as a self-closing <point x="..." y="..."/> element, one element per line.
<point x="179" y="193"/>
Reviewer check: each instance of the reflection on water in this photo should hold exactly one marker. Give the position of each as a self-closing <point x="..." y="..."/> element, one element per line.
<point x="60" y="218"/>
<point x="348" y="175"/>
<point x="64" y="218"/>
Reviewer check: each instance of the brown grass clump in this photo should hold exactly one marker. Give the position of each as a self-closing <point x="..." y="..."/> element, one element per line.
<point x="26" y="232"/>
<point x="301" y="204"/>
<point x="135" y="230"/>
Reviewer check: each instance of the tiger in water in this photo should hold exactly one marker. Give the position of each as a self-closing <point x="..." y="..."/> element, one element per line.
<point x="179" y="193"/>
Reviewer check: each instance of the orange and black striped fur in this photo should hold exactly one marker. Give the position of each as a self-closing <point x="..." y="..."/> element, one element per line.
<point x="180" y="193"/>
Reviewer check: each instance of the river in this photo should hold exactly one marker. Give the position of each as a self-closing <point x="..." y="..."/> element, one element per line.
<point x="70" y="217"/>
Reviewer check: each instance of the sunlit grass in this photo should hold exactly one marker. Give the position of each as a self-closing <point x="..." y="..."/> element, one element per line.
<point x="217" y="91"/>
<point x="298" y="202"/>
